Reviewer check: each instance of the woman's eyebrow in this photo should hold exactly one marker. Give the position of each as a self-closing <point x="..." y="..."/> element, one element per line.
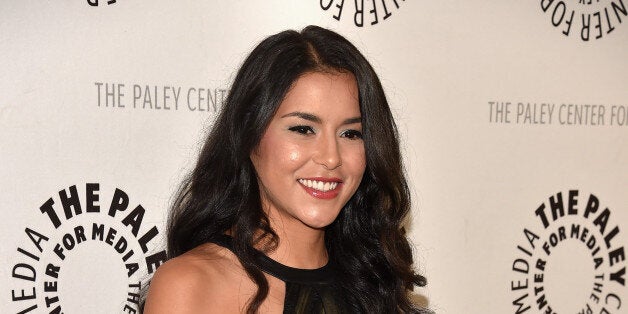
<point x="303" y="115"/>
<point x="315" y="119"/>
<point x="353" y="120"/>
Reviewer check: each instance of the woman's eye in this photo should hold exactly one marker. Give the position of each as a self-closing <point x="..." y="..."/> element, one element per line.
<point x="302" y="129"/>
<point x="352" y="134"/>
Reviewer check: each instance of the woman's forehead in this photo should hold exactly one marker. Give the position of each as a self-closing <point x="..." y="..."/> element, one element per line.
<point x="314" y="91"/>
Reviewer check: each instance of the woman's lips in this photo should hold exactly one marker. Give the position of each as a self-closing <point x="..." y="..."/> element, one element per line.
<point x="323" y="188"/>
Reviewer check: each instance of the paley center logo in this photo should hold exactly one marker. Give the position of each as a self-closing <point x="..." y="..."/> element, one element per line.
<point x="95" y="3"/>
<point x="572" y="260"/>
<point x="370" y="12"/>
<point x="97" y="253"/>
<point x="588" y="20"/>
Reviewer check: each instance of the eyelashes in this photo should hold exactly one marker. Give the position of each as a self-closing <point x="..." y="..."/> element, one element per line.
<point x="350" y="134"/>
<point x="302" y="129"/>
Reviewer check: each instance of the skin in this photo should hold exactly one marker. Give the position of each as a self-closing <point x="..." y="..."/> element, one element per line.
<point x="315" y="134"/>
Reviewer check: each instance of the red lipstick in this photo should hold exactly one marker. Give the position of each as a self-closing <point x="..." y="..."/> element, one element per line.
<point x="335" y="186"/>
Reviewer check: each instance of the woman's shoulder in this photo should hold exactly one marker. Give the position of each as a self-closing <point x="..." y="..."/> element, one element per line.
<point x="205" y="260"/>
<point x="195" y="282"/>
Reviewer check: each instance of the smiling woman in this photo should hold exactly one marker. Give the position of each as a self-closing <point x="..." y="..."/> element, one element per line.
<point x="297" y="200"/>
<point x="313" y="143"/>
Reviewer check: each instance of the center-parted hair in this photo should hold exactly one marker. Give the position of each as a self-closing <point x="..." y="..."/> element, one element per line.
<point x="366" y="242"/>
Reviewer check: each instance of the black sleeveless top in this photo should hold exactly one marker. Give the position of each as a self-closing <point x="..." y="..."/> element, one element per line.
<point x="308" y="291"/>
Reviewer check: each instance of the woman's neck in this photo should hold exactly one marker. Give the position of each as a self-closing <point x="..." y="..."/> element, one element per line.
<point x="299" y="246"/>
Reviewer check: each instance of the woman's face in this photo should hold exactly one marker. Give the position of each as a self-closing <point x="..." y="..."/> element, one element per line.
<point x="310" y="159"/>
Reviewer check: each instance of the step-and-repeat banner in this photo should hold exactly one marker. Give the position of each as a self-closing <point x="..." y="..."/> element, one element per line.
<point x="513" y="116"/>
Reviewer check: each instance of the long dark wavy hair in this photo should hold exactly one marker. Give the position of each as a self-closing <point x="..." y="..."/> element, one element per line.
<point x="366" y="242"/>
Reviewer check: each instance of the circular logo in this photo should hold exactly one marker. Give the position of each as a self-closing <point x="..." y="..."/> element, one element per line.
<point x="94" y="3"/>
<point x="572" y="261"/>
<point x="370" y="12"/>
<point x="586" y="19"/>
<point x="95" y="256"/>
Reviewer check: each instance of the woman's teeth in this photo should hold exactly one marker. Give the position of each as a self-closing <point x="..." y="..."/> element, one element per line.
<point x="319" y="185"/>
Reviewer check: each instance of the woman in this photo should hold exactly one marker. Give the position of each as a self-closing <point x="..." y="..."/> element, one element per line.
<point x="298" y="197"/>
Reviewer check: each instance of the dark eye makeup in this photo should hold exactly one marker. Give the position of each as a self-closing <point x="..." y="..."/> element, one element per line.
<point x="352" y="134"/>
<point x="306" y="130"/>
<point x="301" y="129"/>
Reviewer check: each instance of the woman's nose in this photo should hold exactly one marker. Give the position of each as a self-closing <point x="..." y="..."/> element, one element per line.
<point x="328" y="153"/>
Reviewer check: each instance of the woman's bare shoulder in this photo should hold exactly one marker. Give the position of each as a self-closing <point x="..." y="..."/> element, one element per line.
<point x="203" y="280"/>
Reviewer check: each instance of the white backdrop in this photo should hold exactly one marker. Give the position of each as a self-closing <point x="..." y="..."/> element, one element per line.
<point x="499" y="111"/>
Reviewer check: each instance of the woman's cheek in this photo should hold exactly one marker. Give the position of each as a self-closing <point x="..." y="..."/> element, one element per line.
<point x="293" y="152"/>
<point x="355" y="158"/>
<point x="294" y="156"/>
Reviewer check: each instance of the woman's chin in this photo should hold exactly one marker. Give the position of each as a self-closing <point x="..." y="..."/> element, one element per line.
<point x="318" y="220"/>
